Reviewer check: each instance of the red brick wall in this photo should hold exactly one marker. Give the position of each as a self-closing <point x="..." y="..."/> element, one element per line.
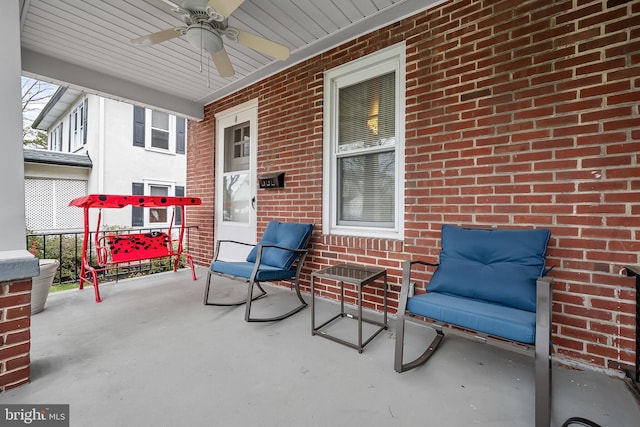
<point x="15" y="333"/>
<point x="200" y="173"/>
<point x="517" y="114"/>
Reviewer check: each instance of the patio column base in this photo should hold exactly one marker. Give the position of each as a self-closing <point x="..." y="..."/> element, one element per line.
<point x="16" y="270"/>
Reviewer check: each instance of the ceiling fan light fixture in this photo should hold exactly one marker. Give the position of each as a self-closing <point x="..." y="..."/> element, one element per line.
<point x="205" y="38"/>
<point x="205" y="23"/>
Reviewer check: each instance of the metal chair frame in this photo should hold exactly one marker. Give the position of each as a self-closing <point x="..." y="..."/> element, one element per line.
<point x="541" y="352"/>
<point x="252" y="281"/>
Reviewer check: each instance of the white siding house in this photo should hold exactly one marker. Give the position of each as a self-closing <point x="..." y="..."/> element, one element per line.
<point x="130" y="150"/>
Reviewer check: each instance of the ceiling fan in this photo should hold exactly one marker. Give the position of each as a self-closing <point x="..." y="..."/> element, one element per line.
<point x="205" y="25"/>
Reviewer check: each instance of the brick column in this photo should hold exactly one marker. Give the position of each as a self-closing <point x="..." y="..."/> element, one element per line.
<point x="16" y="270"/>
<point x="15" y="333"/>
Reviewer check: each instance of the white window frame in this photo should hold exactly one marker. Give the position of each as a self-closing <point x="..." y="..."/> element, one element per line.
<point x="148" y="120"/>
<point x="171" y="185"/>
<point x="55" y="138"/>
<point x="76" y="127"/>
<point x="368" y="67"/>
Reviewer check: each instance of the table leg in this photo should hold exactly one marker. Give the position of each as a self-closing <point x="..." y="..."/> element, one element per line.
<point x="360" y="344"/>
<point x="342" y="298"/>
<point x="313" y="305"/>
<point x="385" y="300"/>
<point x="359" y="318"/>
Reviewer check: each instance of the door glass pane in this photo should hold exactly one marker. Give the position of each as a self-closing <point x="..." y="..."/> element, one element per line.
<point x="236" y="194"/>
<point x="236" y="191"/>
<point x="237" y="148"/>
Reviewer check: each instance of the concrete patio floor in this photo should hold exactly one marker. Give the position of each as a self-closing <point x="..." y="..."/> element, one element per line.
<point x="151" y="354"/>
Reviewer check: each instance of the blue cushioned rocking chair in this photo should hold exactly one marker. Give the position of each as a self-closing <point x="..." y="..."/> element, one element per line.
<point x="278" y="256"/>
<point x="491" y="282"/>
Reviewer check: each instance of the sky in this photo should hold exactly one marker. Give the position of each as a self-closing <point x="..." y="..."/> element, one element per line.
<point x="47" y="90"/>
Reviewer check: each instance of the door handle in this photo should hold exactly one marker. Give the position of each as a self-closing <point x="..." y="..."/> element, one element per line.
<point x="253" y="202"/>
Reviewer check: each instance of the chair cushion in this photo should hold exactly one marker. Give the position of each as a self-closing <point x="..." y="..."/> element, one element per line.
<point x="496" y="265"/>
<point x="245" y="269"/>
<point x="493" y="319"/>
<point x="286" y="234"/>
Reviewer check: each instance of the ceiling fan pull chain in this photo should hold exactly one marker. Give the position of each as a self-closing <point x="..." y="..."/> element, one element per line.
<point x="201" y="52"/>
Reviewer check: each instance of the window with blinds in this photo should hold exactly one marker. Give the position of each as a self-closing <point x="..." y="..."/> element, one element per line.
<point x="366" y="153"/>
<point x="364" y="146"/>
<point x="159" y="131"/>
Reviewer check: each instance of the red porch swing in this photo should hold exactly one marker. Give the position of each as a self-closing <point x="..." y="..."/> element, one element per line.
<point x="115" y="249"/>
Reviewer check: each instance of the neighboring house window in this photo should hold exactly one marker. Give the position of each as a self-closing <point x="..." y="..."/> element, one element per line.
<point x="158" y="216"/>
<point x="55" y="138"/>
<point x="364" y="146"/>
<point x="78" y="127"/>
<point x="158" y="131"/>
<point x="137" y="214"/>
<point x="179" y="192"/>
<point x="155" y="217"/>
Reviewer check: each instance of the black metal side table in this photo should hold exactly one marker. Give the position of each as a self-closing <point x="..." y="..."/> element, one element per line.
<point x="360" y="276"/>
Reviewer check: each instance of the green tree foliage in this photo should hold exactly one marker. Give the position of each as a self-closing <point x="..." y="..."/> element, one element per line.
<point x="39" y="140"/>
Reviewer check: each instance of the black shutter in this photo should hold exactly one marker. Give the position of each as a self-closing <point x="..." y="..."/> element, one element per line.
<point x="84" y="121"/>
<point x="178" y="217"/>
<point x="137" y="214"/>
<point x="138" y="126"/>
<point x="180" y="140"/>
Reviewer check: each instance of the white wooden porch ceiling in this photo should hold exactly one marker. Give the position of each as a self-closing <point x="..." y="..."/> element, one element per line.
<point x="86" y="45"/>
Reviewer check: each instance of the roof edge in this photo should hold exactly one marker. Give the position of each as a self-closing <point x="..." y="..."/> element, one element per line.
<point x="47" y="108"/>
<point x="47" y="157"/>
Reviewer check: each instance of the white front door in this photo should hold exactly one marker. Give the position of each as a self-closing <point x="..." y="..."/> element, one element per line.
<point x="235" y="213"/>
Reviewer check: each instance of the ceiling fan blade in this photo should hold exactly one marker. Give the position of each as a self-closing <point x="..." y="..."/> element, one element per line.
<point x="159" y="37"/>
<point x="223" y="63"/>
<point x="225" y="7"/>
<point x="263" y="45"/>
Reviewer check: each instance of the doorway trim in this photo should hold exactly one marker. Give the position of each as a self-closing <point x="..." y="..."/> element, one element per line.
<point x="245" y="233"/>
